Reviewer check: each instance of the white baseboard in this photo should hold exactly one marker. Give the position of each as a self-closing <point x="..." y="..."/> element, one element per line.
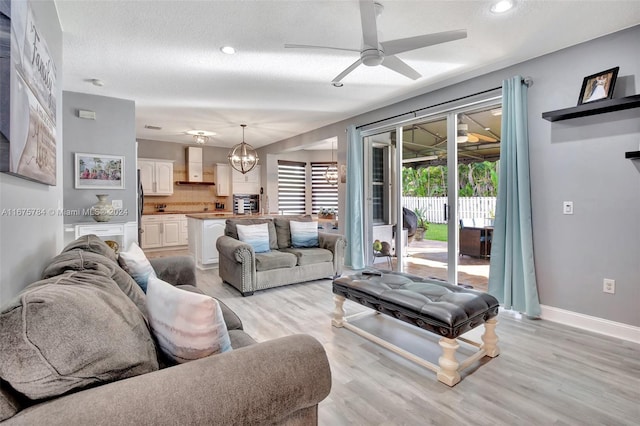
<point x="586" y="322"/>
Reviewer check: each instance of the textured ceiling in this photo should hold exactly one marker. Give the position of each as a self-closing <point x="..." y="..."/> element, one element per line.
<point x="165" y="56"/>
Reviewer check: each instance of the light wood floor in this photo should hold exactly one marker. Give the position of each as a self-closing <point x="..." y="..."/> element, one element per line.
<point x="546" y="374"/>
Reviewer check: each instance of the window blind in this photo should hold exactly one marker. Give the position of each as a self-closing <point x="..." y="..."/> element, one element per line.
<point x="292" y="183"/>
<point x="323" y="194"/>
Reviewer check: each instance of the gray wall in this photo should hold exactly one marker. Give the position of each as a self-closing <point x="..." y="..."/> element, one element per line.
<point x="580" y="160"/>
<point x="175" y="151"/>
<point x="113" y="132"/>
<point x="27" y="244"/>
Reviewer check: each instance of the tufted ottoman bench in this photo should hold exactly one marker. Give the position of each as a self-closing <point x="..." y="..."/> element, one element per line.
<point x="435" y="306"/>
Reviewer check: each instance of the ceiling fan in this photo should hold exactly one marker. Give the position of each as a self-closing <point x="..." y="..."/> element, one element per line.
<point x="375" y="52"/>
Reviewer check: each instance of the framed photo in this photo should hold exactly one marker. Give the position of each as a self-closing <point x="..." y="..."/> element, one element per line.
<point x="598" y="87"/>
<point x="99" y="171"/>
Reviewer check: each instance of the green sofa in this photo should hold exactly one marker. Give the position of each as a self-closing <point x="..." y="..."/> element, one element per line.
<point x="76" y="349"/>
<point x="248" y="271"/>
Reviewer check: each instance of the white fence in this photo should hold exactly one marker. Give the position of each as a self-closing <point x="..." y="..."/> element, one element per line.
<point x="468" y="207"/>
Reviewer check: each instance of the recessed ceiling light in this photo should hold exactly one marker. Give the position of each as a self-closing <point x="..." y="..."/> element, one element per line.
<point x="337" y="84"/>
<point x="502" y="6"/>
<point x="228" y="50"/>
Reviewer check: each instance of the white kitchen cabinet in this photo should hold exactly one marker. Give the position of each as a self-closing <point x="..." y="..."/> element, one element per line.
<point x="163" y="231"/>
<point x="184" y="232"/>
<point x="203" y="234"/>
<point x="151" y="232"/>
<point x="248" y="183"/>
<point x="156" y="176"/>
<point x="171" y="232"/>
<point x="222" y="179"/>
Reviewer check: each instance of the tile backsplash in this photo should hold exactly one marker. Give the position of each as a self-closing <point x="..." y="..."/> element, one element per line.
<point x="188" y="198"/>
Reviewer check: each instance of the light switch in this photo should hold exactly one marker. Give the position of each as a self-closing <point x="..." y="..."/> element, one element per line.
<point x="116" y="204"/>
<point x="567" y="207"/>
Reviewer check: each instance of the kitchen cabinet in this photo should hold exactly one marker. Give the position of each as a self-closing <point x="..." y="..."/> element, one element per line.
<point x="222" y="178"/>
<point x="248" y="183"/>
<point x="164" y="231"/>
<point x="203" y="234"/>
<point x="156" y="176"/>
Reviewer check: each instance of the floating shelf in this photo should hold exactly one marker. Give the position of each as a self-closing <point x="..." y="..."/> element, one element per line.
<point x="598" y="107"/>
<point x="184" y="182"/>
<point x="632" y="155"/>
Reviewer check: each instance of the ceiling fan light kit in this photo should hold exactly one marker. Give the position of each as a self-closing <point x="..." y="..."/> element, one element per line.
<point x="374" y="52"/>
<point x="243" y="157"/>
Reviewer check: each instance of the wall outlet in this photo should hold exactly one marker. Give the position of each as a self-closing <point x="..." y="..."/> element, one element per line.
<point x="116" y="204"/>
<point x="567" y="207"/>
<point x="609" y="286"/>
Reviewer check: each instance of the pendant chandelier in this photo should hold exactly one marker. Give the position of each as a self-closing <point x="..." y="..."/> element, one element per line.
<point x="243" y="157"/>
<point x="331" y="174"/>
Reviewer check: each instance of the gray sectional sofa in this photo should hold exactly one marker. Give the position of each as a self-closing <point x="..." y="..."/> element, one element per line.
<point x="248" y="271"/>
<point x="76" y="349"/>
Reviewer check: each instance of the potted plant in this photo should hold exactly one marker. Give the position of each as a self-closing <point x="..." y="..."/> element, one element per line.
<point x="423" y="225"/>
<point x="325" y="213"/>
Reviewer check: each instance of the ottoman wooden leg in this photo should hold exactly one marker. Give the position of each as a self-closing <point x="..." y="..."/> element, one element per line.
<point x="490" y="339"/>
<point x="338" y="312"/>
<point x="448" y="373"/>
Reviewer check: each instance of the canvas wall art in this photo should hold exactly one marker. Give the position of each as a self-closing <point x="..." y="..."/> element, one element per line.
<point x="28" y="113"/>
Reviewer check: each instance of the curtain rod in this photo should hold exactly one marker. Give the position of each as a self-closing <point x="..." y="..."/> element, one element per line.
<point x="528" y="81"/>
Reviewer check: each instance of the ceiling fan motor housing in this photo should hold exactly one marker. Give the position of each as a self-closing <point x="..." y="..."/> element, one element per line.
<point x="372" y="57"/>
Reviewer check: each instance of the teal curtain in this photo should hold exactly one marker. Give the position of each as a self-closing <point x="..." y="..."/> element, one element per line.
<point x="354" y="256"/>
<point x="512" y="278"/>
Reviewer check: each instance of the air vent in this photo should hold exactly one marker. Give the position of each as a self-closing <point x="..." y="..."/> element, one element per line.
<point x="147" y="126"/>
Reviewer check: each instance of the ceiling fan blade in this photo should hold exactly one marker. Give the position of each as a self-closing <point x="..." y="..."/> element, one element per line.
<point x="308" y="46"/>
<point x="399" y="66"/>
<point x="369" y="27"/>
<point x="483" y="138"/>
<point x="393" y="47"/>
<point x="344" y="73"/>
<point x="472" y="138"/>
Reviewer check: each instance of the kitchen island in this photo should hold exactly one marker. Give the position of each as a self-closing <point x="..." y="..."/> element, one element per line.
<point x="204" y="229"/>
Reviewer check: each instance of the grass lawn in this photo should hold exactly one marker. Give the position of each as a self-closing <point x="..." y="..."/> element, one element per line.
<point x="437" y="232"/>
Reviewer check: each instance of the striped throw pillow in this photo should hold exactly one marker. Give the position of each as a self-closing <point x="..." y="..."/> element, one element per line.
<point x="304" y="234"/>
<point x="187" y="325"/>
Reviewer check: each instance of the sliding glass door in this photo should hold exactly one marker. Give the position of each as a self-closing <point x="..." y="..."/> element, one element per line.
<point x="410" y="186"/>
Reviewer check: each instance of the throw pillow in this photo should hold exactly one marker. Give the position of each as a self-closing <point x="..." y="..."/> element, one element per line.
<point x="187" y="325"/>
<point x="137" y="265"/>
<point x="283" y="231"/>
<point x="70" y="332"/>
<point x="255" y="235"/>
<point x="304" y="234"/>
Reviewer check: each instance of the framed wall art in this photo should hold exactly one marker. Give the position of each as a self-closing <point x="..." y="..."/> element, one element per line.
<point x="28" y="88"/>
<point x="598" y="87"/>
<point x="99" y="171"/>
